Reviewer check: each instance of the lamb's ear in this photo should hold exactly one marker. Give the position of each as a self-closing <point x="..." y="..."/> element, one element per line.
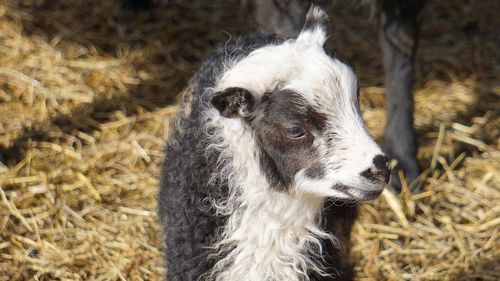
<point x="233" y="102"/>
<point x="315" y="30"/>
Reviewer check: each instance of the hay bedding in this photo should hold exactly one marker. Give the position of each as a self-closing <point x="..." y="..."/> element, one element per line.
<point x="86" y="93"/>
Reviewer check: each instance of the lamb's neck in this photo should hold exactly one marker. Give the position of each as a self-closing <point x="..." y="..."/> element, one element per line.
<point x="275" y="237"/>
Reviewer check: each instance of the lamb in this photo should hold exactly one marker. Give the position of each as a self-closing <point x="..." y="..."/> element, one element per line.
<point x="266" y="162"/>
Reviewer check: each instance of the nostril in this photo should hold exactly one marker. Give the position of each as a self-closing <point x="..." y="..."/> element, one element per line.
<point x="379" y="171"/>
<point x="381" y="162"/>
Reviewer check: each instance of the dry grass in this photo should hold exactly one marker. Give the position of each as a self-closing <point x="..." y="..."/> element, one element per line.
<point x="87" y="91"/>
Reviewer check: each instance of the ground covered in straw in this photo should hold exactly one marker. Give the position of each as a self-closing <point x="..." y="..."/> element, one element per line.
<point x="87" y="89"/>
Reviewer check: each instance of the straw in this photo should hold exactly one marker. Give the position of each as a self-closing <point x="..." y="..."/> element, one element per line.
<point x="87" y="92"/>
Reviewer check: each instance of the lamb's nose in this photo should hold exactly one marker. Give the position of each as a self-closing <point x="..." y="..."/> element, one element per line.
<point x="380" y="170"/>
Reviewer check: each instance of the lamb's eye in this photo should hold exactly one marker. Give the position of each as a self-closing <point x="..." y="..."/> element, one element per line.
<point x="295" y="132"/>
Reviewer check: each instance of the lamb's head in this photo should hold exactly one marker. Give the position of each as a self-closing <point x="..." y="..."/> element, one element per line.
<point x="302" y="109"/>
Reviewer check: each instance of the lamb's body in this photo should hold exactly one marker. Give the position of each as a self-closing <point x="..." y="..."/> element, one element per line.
<point x="259" y="164"/>
<point x="193" y="226"/>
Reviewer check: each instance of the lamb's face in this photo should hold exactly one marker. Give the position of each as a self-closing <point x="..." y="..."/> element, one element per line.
<point x="317" y="149"/>
<point x="302" y="108"/>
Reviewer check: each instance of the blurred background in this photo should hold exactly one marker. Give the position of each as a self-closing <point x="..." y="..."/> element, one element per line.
<point x="87" y="89"/>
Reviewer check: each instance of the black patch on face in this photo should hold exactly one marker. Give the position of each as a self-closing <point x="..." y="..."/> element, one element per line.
<point x="316" y="118"/>
<point x="317" y="170"/>
<point x="281" y="156"/>
<point x="272" y="173"/>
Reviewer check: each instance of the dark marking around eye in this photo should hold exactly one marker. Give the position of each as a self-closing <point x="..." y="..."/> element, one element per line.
<point x="286" y="135"/>
<point x="266" y="97"/>
<point x="317" y="119"/>
<point x="287" y="105"/>
<point x="273" y="175"/>
<point x="317" y="170"/>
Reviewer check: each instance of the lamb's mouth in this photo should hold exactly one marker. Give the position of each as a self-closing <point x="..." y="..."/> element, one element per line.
<point x="359" y="194"/>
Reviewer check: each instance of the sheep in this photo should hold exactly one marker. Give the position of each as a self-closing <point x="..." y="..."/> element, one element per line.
<point x="266" y="161"/>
